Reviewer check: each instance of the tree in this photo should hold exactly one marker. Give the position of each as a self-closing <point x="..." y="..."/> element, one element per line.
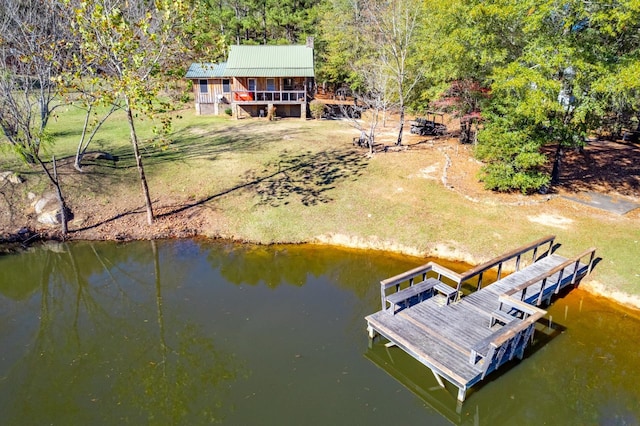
<point x="367" y="37"/>
<point x="259" y="21"/>
<point x="373" y="100"/>
<point x="132" y="44"/>
<point x="86" y="95"/>
<point x="392" y="28"/>
<point x="556" y="90"/>
<point x="341" y="43"/>
<point x="34" y="49"/>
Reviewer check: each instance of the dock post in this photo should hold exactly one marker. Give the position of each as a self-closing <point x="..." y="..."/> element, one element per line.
<point x="462" y="393"/>
<point x="438" y="378"/>
<point x="372" y="335"/>
<point x="372" y="332"/>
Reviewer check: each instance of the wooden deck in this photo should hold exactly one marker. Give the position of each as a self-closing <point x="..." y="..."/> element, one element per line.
<point x="463" y="338"/>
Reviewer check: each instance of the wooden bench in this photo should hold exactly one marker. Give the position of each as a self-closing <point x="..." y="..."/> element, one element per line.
<point x="422" y="291"/>
<point x="450" y="293"/>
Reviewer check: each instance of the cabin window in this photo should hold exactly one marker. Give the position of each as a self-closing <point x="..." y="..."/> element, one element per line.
<point x="204" y="87"/>
<point x="271" y="84"/>
<point x="226" y="86"/>
<point x="288" y="84"/>
<point x="252" y="84"/>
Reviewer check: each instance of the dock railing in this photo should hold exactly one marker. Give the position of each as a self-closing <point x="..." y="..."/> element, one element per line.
<point x="510" y="340"/>
<point x="432" y="269"/>
<point x="558" y="284"/>
<point x="415" y="276"/>
<point x="516" y="254"/>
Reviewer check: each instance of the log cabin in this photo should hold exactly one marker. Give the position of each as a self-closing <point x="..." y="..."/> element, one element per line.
<point x="255" y="80"/>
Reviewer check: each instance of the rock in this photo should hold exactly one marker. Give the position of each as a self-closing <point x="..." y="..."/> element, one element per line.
<point x="41" y="203"/>
<point x="100" y="156"/>
<point x="11" y="177"/>
<point x="15" y="179"/>
<point x="50" y="217"/>
<point x="31" y="196"/>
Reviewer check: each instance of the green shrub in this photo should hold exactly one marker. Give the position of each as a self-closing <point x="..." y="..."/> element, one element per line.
<point x="505" y="177"/>
<point x="317" y="108"/>
<point x="228" y="111"/>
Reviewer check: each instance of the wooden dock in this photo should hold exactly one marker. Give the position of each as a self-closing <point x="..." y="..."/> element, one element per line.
<point x="464" y="337"/>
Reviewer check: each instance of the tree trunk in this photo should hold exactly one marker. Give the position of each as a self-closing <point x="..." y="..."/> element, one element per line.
<point x="557" y="165"/>
<point x="136" y="153"/>
<point x="80" y="151"/>
<point x="56" y="183"/>
<point x="399" y="142"/>
<point x="84" y="144"/>
<point x="372" y="130"/>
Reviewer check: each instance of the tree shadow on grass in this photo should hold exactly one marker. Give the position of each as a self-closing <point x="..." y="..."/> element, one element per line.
<point x="307" y="177"/>
<point x="191" y="142"/>
<point x="603" y="166"/>
<point x="196" y="142"/>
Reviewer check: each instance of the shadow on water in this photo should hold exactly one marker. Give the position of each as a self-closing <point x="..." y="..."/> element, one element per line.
<point x="402" y="367"/>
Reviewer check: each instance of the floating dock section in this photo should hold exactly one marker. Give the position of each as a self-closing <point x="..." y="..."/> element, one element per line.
<point x="464" y="338"/>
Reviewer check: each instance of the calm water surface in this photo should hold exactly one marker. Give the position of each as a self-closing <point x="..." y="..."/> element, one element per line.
<point x="191" y="332"/>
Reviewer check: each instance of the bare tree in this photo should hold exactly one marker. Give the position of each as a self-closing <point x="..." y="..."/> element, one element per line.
<point x="86" y="91"/>
<point x="133" y="42"/>
<point x="373" y="101"/>
<point x="392" y="28"/>
<point x="34" y="48"/>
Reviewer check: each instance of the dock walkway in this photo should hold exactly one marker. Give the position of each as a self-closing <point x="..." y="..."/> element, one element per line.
<point x="464" y="338"/>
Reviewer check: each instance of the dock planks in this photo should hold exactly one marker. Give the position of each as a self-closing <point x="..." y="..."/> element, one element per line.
<point x="462" y="341"/>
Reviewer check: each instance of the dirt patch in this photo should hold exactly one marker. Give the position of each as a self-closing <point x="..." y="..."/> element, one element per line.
<point x="603" y="166"/>
<point x="604" y="173"/>
<point x="552" y="220"/>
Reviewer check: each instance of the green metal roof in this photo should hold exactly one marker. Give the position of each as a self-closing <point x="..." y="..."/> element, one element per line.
<point x="206" y="70"/>
<point x="270" y="61"/>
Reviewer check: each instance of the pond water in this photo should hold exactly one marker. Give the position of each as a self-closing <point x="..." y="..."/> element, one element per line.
<point x="197" y="332"/>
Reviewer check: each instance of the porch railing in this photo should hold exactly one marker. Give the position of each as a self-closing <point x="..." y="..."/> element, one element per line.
<point x="295" y="96"/>
<point x="211" y="98"/>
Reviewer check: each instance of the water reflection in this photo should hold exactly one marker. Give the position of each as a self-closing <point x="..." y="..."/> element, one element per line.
<point x="96" y="337"/>
<point x="194" y="332"/>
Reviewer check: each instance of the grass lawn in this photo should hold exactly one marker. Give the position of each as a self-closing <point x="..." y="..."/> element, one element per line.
<point x="303" y="181"/>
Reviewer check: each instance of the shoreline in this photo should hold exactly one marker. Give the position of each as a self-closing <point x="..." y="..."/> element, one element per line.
<point x="423" y="201"/>
<point x="441" y="251"/>
<point x="438" y="251"/>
